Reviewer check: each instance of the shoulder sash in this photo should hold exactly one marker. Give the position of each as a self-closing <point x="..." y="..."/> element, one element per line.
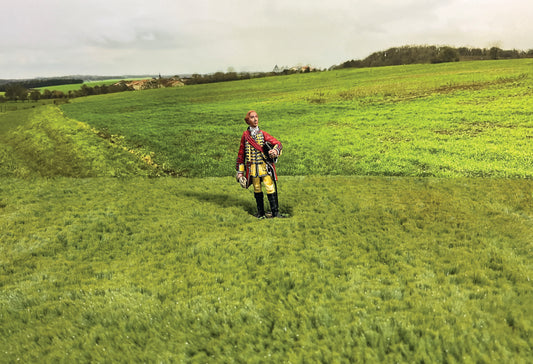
<point x="252" y="141"/>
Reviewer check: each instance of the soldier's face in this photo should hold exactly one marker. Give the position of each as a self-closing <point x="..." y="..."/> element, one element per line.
<point x="253" y="120"/>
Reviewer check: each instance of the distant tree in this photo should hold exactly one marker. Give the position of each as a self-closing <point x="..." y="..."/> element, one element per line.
<point x="464" y="51"/>
<point x="56" y="94"/>
<point x="446" y="54"/>
<point x="217" y="77"/>
<point x="47" y="94"/>
<point x="231" y="74"/>
<point x="513" y="53"/>
<point x="86" y="90"/>
<point x="16" y="92"/>
<point x="494" y="52"/>
<point x="35" y="95"/>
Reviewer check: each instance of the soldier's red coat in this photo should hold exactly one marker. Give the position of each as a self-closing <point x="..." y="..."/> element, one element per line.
<point x="241" y="156"/>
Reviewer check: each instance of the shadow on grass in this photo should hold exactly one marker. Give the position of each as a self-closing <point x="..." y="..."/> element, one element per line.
<point x="225" y="200"/>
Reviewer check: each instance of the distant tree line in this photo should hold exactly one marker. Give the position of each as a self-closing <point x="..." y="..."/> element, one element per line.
<point x="432" y="54"/>
<point x="24" y="91"/>
<point x="17" y="92"/>
<point x="196" y="78"/>
<point x="39" y="83"/>
<point x="21" y="91"/>
<point x="234" y="76"/>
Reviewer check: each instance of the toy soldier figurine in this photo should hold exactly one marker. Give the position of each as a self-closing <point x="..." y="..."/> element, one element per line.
<point x="256" y="160"/>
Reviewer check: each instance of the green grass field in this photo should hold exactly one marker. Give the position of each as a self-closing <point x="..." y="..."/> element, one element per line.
<point x="77" y="86"/>
<point x="366" y="269"/>
<point x="409" y="198"/>
<point x="448" y="120"/>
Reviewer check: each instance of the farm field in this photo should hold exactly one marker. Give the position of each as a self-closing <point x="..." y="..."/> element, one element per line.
<point x="409" y="197"/>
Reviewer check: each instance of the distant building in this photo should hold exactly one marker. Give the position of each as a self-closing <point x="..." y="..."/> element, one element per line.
<point x="295" y="69"/>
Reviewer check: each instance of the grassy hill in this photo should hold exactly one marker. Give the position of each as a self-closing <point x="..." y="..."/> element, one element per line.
<point x="42" y="142"/>
<point x="449" y="120"/>
<point x="410" y="206"/>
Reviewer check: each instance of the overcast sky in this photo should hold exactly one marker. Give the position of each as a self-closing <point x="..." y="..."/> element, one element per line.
<point x="46" y="38"/>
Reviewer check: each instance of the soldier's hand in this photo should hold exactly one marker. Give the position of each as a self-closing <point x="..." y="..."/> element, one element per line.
<point x="273" y="153"/>
<point x="242" y="180"/>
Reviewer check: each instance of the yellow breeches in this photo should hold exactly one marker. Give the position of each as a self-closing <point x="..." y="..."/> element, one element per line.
<point x="258" y="170"/>
<point x="267" y="181"/>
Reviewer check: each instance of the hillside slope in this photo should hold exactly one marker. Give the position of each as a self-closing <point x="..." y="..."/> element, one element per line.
<point x="447" y="120"/>
<point x="42" y="142"/>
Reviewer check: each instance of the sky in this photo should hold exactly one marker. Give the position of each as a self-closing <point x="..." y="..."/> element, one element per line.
<point x="52" y="38"/>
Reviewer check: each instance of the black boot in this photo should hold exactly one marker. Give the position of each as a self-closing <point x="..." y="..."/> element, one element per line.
<point x="273" y="200"/>
<point x="260" y="205"/>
